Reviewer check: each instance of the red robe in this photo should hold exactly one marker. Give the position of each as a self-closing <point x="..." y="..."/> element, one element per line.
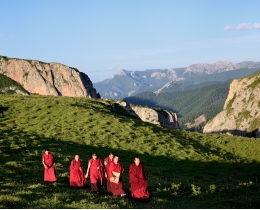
<point x="96" y="175"/>
<point x="138" y="180"/>
<point x="77" y="178"/>
<point x="116" y="188"/>
<point x="108" y="161"/>
<point x="49" y="171"/>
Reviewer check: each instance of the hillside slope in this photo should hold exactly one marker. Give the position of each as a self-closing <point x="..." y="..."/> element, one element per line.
<point x="48" y="78"/>
<point x="186" y="170"/>
<point x="9" y="86"/>
<point x="241" y="112"/>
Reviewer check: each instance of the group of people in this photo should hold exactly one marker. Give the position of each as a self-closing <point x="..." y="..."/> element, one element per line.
<point x="109" y="172"/>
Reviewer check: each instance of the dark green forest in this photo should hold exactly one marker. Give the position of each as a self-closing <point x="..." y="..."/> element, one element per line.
<point x="189" y="104"/>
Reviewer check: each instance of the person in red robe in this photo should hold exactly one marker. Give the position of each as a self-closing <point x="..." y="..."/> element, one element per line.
<point x="138" y="180"/>
<point x="115" y="176"/>
<point x="96" y="171"/>
<point x="107" y="162"/>
<point x="77" y="178"/>
<point x="48" y="162"/>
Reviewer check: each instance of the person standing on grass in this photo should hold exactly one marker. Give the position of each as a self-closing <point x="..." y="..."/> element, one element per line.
<point x="77" y="178"/>
<point x="115" y="176"/>
<point x="138" y="180"/>
<point x="107" y="162"/>
<point x="48" y="162"/>
<point x="96" y="171"/>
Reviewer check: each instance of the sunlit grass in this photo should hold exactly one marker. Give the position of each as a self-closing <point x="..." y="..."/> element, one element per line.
<point x="186" y="170"/>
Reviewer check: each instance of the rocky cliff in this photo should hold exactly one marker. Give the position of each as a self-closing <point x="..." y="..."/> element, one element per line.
<point x="158" y="117"/>
<point x="241" y="112"/>
<point x="48" y="78"/>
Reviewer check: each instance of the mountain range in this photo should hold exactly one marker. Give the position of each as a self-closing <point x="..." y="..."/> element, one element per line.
<point x="128" y="83"/>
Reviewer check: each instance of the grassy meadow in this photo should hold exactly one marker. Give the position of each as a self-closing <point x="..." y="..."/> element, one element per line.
<point x="185" y="169"/>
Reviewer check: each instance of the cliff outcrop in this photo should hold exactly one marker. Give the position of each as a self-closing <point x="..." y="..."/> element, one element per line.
<point x="48" y="78"/>
<point x="158" y="117"/>
<point x="241" y="112"/>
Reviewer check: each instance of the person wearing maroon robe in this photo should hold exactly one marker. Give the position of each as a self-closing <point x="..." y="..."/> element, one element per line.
<point x="77" y="178"/>
<point x="138" y="180"/>
<point x="115" y="167"/>
<point x="48" y="162"/>
<point x="107" y="162"/>
<point x="96" y="171"/>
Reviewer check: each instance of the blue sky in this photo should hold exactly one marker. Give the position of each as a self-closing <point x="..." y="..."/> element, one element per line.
<point x="100" y="37"/>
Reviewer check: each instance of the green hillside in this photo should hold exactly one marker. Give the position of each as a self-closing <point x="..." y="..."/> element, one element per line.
<point x="186" y="170"/>
<point x="189" y="104"/>
<point x="7" y="82"/>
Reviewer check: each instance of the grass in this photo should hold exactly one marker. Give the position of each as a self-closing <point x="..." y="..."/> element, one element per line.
<point x="186" y="170"/>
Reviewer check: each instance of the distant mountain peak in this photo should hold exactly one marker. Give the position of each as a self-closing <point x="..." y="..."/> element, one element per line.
<point x="217" y="67"/>
<point x="121" y="72"/>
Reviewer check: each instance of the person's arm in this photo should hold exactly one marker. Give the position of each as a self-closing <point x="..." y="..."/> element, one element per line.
<point x="89" y="164"/>
<point x="44" y="163"/>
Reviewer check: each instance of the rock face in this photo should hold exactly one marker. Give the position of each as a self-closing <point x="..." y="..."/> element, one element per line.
<point x="158" y="117"/>
<point x="48" y="78"/>
<point x="241" y="112"/>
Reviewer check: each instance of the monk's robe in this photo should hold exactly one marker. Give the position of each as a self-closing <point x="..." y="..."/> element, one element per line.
<point x="138" y="181"/>
<point x="49" y="171"/>
<point x="116" y="188"/>
<point x="108" y="161"/>
<point x="77" y="178"/>
<point x="96" y="171"/>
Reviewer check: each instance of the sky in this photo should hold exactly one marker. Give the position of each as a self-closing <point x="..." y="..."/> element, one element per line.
<point x="99" y="37"/>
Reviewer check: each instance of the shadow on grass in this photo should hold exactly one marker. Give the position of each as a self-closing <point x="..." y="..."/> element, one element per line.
<point x="173" y="183"/>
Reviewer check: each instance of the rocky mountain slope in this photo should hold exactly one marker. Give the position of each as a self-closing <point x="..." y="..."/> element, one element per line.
<point x="128" y="83"/>
<point x="241" y="112"/>
<point x="48" y="78"/>
<point x="158" y="117"/>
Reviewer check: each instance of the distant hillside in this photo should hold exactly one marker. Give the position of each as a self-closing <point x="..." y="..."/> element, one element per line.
<point x="172" y="86"/>
<point x="241" y="112"/>
<point x="206" y="101"/>
<point x="48" y="78"/>
<point x="9" y="86"/>
<point x="128" y="83"/>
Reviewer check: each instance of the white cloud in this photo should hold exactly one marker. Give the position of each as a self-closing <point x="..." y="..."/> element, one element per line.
<point x="256" y="25"/>
<point x="243" y="27"/>
<point x="229" y="28"/>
